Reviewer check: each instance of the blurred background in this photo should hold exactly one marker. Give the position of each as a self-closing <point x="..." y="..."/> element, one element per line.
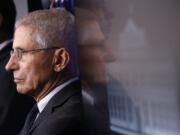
<point x="129" y="64"/>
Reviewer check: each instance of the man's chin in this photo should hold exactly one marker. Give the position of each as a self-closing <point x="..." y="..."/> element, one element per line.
<point x="21" y="89"/>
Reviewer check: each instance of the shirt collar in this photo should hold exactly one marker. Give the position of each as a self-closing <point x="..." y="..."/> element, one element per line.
<point x="5" y="43"/>
<point x="43" y="102"/>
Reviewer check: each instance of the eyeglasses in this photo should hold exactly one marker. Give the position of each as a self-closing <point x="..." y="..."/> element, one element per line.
<point x="19" y="52"/>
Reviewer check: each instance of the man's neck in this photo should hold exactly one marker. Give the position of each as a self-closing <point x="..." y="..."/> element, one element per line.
<point x="41" y="93"/>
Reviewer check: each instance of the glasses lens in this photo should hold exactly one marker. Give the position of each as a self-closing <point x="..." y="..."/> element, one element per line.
<point x="18" y="54"/>
<point x="11" y="52"/>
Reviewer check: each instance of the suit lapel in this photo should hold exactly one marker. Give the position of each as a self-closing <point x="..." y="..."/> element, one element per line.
<point x="57" y="101"/>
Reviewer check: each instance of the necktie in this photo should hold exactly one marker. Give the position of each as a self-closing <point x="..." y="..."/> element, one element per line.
<point x="30" y="120"/>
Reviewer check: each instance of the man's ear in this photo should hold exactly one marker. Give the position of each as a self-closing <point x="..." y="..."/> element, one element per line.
<point x="61" y="59"/>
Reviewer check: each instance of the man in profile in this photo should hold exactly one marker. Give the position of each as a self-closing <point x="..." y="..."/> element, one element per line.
<point x="43" y="61"/>
<point x="13" y="106"/>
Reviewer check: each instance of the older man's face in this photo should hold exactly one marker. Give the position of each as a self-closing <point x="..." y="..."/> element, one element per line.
<point x="92" y="54"/>
<point x="33" y="72"/>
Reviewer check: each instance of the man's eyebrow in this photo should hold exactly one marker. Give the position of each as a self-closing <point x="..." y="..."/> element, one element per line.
<point x="17" y="48"/>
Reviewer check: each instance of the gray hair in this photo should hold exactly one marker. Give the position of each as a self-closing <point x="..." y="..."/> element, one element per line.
<point x="53" y="27"/>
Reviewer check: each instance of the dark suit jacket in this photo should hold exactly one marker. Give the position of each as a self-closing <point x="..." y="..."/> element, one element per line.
<point x="13" y="106"/>
<point x="62" y="115"/>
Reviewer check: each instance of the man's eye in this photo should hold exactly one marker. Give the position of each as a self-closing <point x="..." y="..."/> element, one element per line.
<point x="19" y="50"/>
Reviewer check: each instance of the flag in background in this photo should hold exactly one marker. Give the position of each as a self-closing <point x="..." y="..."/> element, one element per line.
<point x="67" y="4"/>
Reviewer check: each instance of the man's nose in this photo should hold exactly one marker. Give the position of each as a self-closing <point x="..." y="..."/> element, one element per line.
<point x="11" y="64"/>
